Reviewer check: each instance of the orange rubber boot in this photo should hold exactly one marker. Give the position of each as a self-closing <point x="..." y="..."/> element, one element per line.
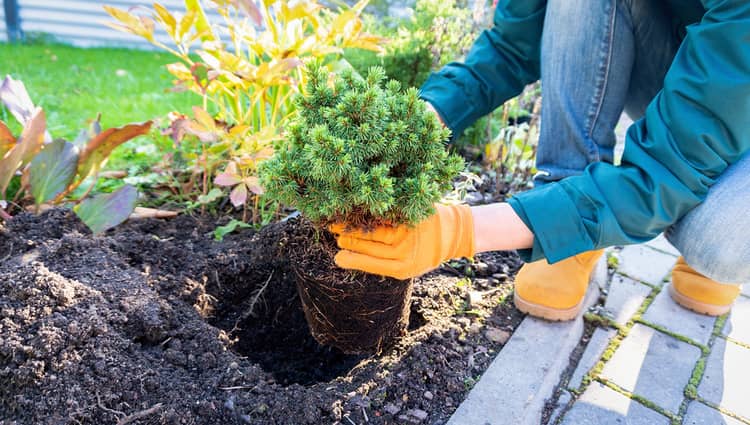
<point x="555" y="291"/>
<point x="699" y="293"/>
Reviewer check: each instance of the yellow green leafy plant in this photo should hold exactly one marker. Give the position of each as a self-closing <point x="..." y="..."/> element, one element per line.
<point x="246" y="67"/>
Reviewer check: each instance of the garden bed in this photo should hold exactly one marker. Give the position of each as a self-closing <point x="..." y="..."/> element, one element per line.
<point x="155" y="322"/>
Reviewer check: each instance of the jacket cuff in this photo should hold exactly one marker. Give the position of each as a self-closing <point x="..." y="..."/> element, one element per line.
<point x="550" y="214"/>
<point x="448" y="99"/>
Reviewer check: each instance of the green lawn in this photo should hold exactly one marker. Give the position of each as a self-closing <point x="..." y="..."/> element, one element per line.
<point x="73" y="85"/>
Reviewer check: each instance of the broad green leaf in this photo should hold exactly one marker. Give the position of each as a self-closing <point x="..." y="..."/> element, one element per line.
<point x="98" y="149"/>
<point x="107" y="210"/>
<point x="52" y="170"/>
<point x="30" y="142"/>
<point x="211" y="196"/>
<point x="228" y="228"/>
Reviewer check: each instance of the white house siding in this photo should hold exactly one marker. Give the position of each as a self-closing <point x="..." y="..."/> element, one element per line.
<point x="82" y="22"/>
<point x="3" y="31"/>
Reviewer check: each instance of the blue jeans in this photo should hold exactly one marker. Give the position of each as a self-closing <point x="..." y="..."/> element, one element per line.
<point x="600" y="58"/>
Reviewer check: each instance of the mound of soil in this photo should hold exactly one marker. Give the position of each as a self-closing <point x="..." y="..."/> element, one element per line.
<point x="157" y="323"/>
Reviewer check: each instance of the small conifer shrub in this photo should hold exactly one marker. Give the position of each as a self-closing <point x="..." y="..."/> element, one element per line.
<point x="362" y="152"/>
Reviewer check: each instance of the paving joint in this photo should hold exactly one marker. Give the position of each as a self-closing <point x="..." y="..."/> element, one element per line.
<point x="640" y="399"/>
<point x="734" y="341"/>
<point x="723" y="410"/>
<point x="673" y="334"/>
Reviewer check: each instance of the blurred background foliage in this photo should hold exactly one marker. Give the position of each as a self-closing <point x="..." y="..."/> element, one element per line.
<point x="408" y="38"/>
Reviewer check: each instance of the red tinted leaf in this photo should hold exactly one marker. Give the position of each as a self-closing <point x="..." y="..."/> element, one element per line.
<point x="253" y="183"/>
<point x="26" y="147"/>
<point x="226" y="179"/>
<point x="7" y="141"/>
<point x="98" y="149"/>
<point x="251" y="9"/>
<point x="238" y="195"/>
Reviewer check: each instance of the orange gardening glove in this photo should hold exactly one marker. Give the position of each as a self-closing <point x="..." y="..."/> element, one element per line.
<point x="403" y="252"/>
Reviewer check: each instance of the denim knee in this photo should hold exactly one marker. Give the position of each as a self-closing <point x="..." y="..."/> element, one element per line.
<point x="714" y="237"/>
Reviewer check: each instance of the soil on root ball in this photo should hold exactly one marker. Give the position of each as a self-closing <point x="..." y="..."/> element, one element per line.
<point x="157" y="323"/>
<point x="355" y="312"/>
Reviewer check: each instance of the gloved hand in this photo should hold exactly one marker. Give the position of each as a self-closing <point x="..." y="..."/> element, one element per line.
<point x="403" y="252"/>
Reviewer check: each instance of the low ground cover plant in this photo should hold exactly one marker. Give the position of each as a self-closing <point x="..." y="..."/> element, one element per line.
<point x="47" y="172"/>
<point x="362" y="153"/>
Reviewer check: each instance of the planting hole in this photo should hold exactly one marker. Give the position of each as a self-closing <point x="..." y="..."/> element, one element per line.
<point x="271" y="331"/>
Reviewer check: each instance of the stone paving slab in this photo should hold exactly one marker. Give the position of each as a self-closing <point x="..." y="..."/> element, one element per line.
<point x="666" y="313"/>
<point x="738" y="324"/>
<point x="594" y="349"/>
<point x="700" y="414"/>
<point x="527" y="370"/>
<point x="560" y="405"/>
<point x="653" y="365"/>
<point x="625" y="297"/>
<point x="600" y="405"/>
<point x="645" y="264"/>
<point x="727" y="378"/>
<point x="662" y="244"/>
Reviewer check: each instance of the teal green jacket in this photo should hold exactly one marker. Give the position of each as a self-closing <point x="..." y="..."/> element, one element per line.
<point x="696" y="127"/>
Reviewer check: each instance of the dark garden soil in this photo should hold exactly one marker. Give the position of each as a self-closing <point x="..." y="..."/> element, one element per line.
<point x="157" y="323"/>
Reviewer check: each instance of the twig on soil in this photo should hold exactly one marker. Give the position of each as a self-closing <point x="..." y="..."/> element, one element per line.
<point x="364" y="413"/>
<point x="350" y="421"/>
<point x="447" y="267"/>
<point x="239" y="387"/>
<point x="107" y="409"/>
<point x="141" y="213"/>
<point x="138" y="415"/>
<point x="249" y="312"/>
<point x="10" y="252"/>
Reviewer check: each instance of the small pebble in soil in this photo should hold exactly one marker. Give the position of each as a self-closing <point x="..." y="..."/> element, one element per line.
<point x="428" y="395"/>
<point x="481" y="268"/>
<point x="391" y="408"/>
<point x="417" y="414"/>
<point x="498" y="336"/>
<point x="474" y="298"/>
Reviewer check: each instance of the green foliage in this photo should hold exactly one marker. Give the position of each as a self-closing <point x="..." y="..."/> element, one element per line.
<point x="228" y="228"/>
<point x="51" y="170"/>
<point x="246" y="68"/>
<point x="361" y="152"/>
<point x="438" y="32"/>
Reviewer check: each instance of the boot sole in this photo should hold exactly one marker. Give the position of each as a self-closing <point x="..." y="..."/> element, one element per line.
<point x="697" y="306"/>
<point x="548" y="313"/>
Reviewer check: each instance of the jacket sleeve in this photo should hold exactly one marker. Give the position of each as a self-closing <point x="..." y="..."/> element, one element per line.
<point x="693" y="130"/>
<point x="502" y="61"/>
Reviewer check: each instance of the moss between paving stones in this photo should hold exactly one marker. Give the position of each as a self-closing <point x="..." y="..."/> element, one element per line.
<point x="691" y="389"/>
<point x="640" y="399"/>
<point x="614" y="344"/>
<point x="666" y="331"/>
